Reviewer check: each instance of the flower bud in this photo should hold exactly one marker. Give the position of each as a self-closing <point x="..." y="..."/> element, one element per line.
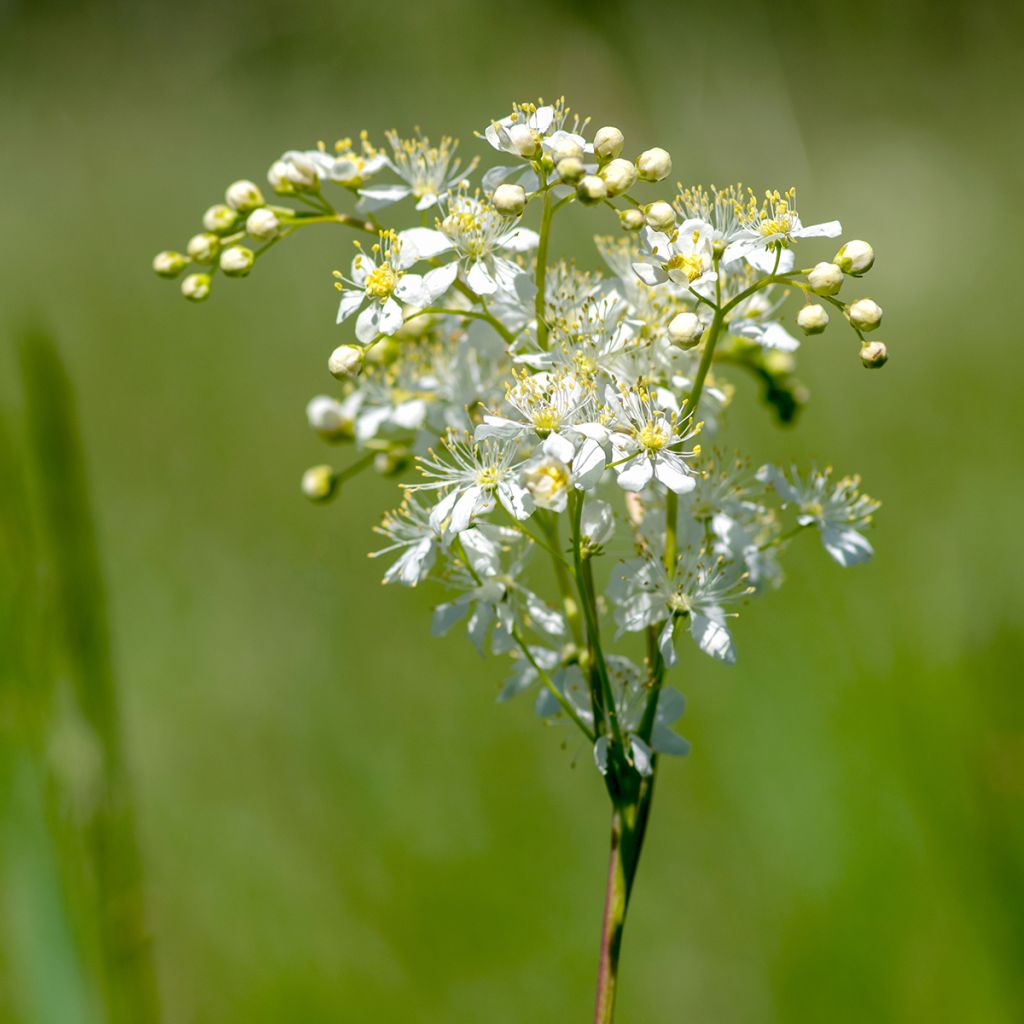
<point x="327" y="417"/>
<point x="220" y="219"/>
<point x="345" y="361"/>
<point x="570" y="170"/>
<point x="169" y="264"/>
<point x="631" y="219"/>
<point x="203" y="248"/>
<point x="608" y="143"/>
<point x="812" y="319"/>
<point x="509" y="200"/>
<point x="565" y="148"/>
<point x="278" y="178"/>
<point x="864" y="314"/>
<point x="244" y="196"/>
<point x="262" y="224"/>
<point x="874" y="354"/>
<point x="778" y="363"/>
<point x="301" y="172"/>
<point x="855" y="257"/>
<point x="591" y="189"/>
<point x="393" y="461"/>
<point x="660" y="215"/>
<point x="525" y="140"/>
<point x="685" y="330"/>
<point x="825" y="279"/>
<point x="547" y="480"/>
<point x="654" y="164"/>
<point x="196" y="287"/>
<point x="319" y="483"/>
<point x="237" y="260"/>
<point x="618" y="175"/>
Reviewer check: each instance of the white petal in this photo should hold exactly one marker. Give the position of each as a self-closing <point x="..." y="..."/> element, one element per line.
<point x="497" y="426"/>
<point x="350" y="302"/>
<point x="712" y="637"/>
<point x="437" y="282"/>
<point x="480" y="280"/>
<point x="650" y="274"/>
<point x="379" y="196"/>
<point x="636" y="475"/>
<point x="668" y="469"/>
<point x="391" y="317"/>
<point x="665" y="642"/>
<point x="422" y="244"/>
<point x="846" y="546"/>
<point x="764" y="260"/>
<point x="520" y="240"/>
<point x="559" y="447"/>
<point x="445" y="616"/>
<point x="828" y="229"/>
<point x="589" y="465"/>
<point x="601" y="754"/>
<point x="776" y="336"/>
<point x="737" y="250"/>
<point x="517" y="500"/>
<point x="642" y="756"/>
<point x="462" y="513"/>
<point x="368" y="321"/>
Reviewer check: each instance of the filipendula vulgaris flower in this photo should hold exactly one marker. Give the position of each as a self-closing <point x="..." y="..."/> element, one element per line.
<point x="379" y="281"/>
<point x="551" y="403"/>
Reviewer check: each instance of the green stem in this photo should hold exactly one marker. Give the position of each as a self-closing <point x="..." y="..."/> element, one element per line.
<point x="549" y="524"/>
<point x="615" y="903"/>
<point x="542" y="268"/>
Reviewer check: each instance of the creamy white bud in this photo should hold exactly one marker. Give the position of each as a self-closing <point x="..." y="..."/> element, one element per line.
<point x="812" y="319"/>
<point x="631" y="219"/>
<point x="278" y="178"/>
<point x="570" y="170"/>
<point x="619" y="176"/>
<point x="855" y="257"/>
<point x="864" y="314"/>
<point x="318" y="483"/>
<point x="597" y="524"/>
<point x="237" y="260"/>
<point x="203" y="248"/>
<point x="660" y="215"/>
<point x="685" y="330"/>
<point x="825" y="279"/>
<point x="220" y="219"/>
<point x="302" y="172"/>
<point x="509" y="200"/>
<point x="654" y="164"/>
<point x="874" y="354"/>
<point x="524" y="139"/>
<point x="547" y="480"/>
<point x="327" y="417"/>
<point x="196" y="287"/>
<point x="345" y="361"/>
<point x="262" y="224"/>
<point x="564" y="148"/>
<point x="169" y="264"/>
<point x="591" y="189"/>
<point x="608" y="143"/>
<point x="244" y="196"/>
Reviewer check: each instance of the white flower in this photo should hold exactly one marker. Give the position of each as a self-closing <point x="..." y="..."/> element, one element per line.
<point x="347" y="165"/>
<point x="428" y="172"/>
<point x="472" y="477"/>
<point x="529" y="127"/>
<point x="379" y="282"/>
<point x="647" y="442"/>
<point x="685" y="256"/>
<point x="294" y="172"/>
<point x="411" y="532"/>
<point x="773" y="225"/>
<point x="837" y="509"/>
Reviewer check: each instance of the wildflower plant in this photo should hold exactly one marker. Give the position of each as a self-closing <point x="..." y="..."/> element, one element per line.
<point x="538" y="412"/>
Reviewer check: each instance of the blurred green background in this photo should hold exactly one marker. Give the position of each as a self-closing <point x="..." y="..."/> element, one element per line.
<point x="335" y="822"/>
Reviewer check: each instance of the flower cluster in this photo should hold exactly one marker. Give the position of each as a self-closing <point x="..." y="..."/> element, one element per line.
<point x="540" y="411"/>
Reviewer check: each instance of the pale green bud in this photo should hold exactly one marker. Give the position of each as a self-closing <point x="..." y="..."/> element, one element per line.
<point x="571" y="170"/>
<point x="169" y="264"/>
<point x="244" y="196"/>
<point x="631" y="219"/>
<point x="237" y="260"/>
<point x="203" y="248"/>
<point x="825" y="279"/>
<point x="608" y="143"/>
<point x="660" y="215"/>
<point x="220" y="219"/>
<point x="279" y="180"/>
<point x="855" y="257"/>
<point x="196" y="287"/>
<point x="654" y="164"/>
<point x="509" y="200"/>
<point x="262" y="224"/>
<point x="618" y="175"/>
<point x="874" y="354"/>
<point x="591" y="189"/>
<point x="319" y="483"/>
<point x="345" y="361"/>
<point x="812" y="319"/>
<point x="864" y="314"/>
<point x="564" y="148"/>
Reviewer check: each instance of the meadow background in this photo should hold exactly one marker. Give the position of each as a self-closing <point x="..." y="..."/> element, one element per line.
<point x="334" y="822"/>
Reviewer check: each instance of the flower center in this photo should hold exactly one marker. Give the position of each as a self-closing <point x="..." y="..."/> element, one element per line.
<point x="488" y="476"/>
<point x="692" y="266"/>
<point x="679" y="603"/>
<point x="653" y="436"/>
<point x="546" y="419"/>
<point x="812" y="508"/>
<point x="381" y="281"/>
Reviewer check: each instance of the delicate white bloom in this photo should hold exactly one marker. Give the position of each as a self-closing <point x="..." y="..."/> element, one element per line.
<point x="686" y="256"/>
<point x="471" y="477"/>
<point x="855" y="257"/>
<point x="864" y="314"/>
<point x="825" y="279"/>
<point x="837" y="509"/>
<point x="349" y="165"/>
<point x="648" y="442"/>
<point x="417" y="539"/>
<point x="379" y="282"/>
<point x="773" y="225"/>
<point x="654" y="164"/>
<point x="813" y="318"/>
<point x="427" y="172"/>
<point x="294" y="172"/>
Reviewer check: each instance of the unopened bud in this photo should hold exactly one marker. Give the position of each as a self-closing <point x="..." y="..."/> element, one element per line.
<point x="864" y="314"/>
<point x="654" y="164"/>
<point x="169" y="264"/>
<point x="262" y="224"/>
<point x="591" y="189"/>
<point x="196" y="287"/>
<point x="509" y="200"/>
<point x="203" y="248"/>
<point x="525" y="140"/>
<point x="812" y="319"/>
<point x="874" y="354"/>
<point x="778" y="363"/>
<point x="660" y="215"/>
<point x="619" y="176"/>
<point x="345" y="361"/>
<point x="855" y="257"/>
<point x="608" y="143"/>
<point x="220" y="219"/>
<point x="563" y="147"/>
<point x="685" y="330"/>
<point x="278" y="178"/>
<point x="244" y="196"/>
<point x="319" y="483"/>
<point x="570" y="170"/>
<point x="327" y="417"/>
<point x="825" y="279"/>
<point x="301" y="172"/>
<point x="393" y="461"/>
<point x="631" y="219"/>
<point x="237" y="260"/>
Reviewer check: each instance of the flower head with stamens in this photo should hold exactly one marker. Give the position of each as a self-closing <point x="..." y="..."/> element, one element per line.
<point x="350" y="164"/>
<point x="411" y="533"/>
<point x="685" y="257"/>
<point x="772" y="225"/>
